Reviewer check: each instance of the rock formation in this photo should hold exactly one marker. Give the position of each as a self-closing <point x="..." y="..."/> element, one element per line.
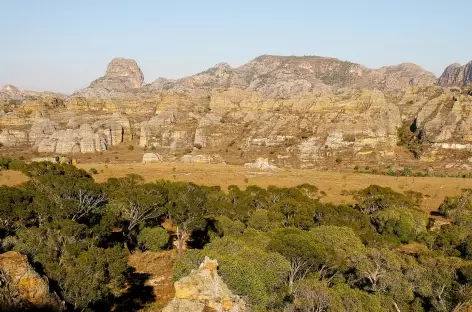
<point x="47" y="137"/>
<point x="457" y="75"/>
<point x="294" y="111"/>
<point x="261" y="163"/>
<point x="122" y="75"/>
<point x="151" y="158"/>
<point x="22" y="288"/>
<point x="204" y="290"/>
<point x="203" y="158"/>
<point x="288" y="76"/>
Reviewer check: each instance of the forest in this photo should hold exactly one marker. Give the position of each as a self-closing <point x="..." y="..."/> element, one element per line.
<point x="281" y="249"/>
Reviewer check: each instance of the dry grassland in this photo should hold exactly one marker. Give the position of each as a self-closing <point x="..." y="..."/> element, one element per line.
<point x="336" y="185"/>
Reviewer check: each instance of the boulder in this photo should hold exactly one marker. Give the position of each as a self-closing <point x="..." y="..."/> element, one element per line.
<point x="203" y="158"/>
<point x="261" y="163"/>
<point x="204" y="290"/>
<point x="151" y="158"/>
<point x="22" y="288"/>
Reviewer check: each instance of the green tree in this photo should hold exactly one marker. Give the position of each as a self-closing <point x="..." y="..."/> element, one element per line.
<point x="93" y="275"/>
<point x="259" y="220"/>
<point x="374" y="198"/>
<point x="305" y="254"/>
<point x="187" y="209"/>
<point x="136" y="202"/>
<point x="153" y="239"/>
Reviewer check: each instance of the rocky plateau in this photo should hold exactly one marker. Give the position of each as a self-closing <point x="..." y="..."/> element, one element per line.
<point x="296" y="111"/>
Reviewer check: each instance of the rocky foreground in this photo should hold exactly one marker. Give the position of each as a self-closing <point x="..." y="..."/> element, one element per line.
<point x="297" y="111"/>
<point x="204" y="290"/>
<point x="22" y="288"/>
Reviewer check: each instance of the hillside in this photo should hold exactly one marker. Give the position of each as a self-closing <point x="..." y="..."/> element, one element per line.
<point x="297" y="111"/>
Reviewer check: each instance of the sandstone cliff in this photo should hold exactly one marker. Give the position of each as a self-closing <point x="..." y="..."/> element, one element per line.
<point x="296" y="111"/>
<point x="22" y="288"/>
<point x="204" y="290"/>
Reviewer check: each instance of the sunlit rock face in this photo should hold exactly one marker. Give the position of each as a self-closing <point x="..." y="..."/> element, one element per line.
<point x="457" y="75"/>
<point x="204" y="290"/>
<point x="295" y="111"/>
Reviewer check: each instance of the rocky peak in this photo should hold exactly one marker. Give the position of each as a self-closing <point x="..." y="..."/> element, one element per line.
<point x="121" y="75"/>
<point x="121" y="67"/>
<point x="204" y="290"/>
<point x="456" y="75"/>
<point x="10" y="89"/>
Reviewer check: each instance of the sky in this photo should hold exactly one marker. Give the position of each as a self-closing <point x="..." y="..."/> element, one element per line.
<point x="60" y="45"/>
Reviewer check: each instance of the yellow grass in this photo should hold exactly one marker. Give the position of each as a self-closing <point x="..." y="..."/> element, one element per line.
<point x="12" y="178"/>
<point x="333" y="183"/>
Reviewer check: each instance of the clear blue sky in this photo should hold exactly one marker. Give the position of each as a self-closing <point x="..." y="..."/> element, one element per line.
<point x="63" y="45"/>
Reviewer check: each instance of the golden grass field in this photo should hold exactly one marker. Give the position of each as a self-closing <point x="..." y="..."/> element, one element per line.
<point x="333" y="183"/>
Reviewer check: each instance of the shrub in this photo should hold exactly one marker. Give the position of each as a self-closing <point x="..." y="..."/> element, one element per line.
<point x="130" y="147"/>
<point x="259" y="220"/>
<point x="225" y="226"/>
<point x="153" y="239"/>
<point x="16" y="165"/>
<point x="93" y="171"/>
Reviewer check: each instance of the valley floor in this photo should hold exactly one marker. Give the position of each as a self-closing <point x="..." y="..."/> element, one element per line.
<point x="337" y="185"/>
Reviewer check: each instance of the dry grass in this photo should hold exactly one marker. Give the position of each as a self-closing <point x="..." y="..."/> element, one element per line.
<point x="12" y="178"/>
<point x="333" y="183"/>
<point x="336" y="185"/>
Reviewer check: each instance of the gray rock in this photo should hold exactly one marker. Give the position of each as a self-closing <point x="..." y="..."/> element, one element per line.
<point x="151" y="158"/>
<point x="456" y="75"/>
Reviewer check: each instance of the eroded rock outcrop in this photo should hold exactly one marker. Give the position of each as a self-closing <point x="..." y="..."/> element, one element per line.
<point x="457" y="75"/>
<point x="46" y="136"/>
<point x="149" y="158"/>
<point x="204" y="290"/>
<point x="21" y="287"/>
<point x="122" y="75"/>
<point x="261" y="163"/>
<point x="288" y="76"/>
<point x="300" y="110"/>
<point x="203" y="159"/>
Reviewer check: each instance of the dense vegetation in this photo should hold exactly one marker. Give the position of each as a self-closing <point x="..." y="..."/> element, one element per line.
<point x="280" y="248"/>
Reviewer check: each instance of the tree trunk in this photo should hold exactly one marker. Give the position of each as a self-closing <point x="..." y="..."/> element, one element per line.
<point x="181" y="237"/>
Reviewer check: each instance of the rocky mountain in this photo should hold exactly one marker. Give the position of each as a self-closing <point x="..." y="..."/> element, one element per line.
<point x="272" y="76"/>
<point x="457" y="75"/>
<point x="122" y="75"/>
<point x="204" y="290"/>
<point x="296" y="111"/>
<point x="288" y="76"/>
<point x="12" y="93"/>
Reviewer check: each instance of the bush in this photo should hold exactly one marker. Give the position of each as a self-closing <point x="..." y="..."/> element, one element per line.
<point x="259" y="220"/>
<point x="153" y="239"/>
<point x="93" y="171"/>
<point x="16" y="165"/>
<point x="225" y="226"/>
<point x="130" y="147"/>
